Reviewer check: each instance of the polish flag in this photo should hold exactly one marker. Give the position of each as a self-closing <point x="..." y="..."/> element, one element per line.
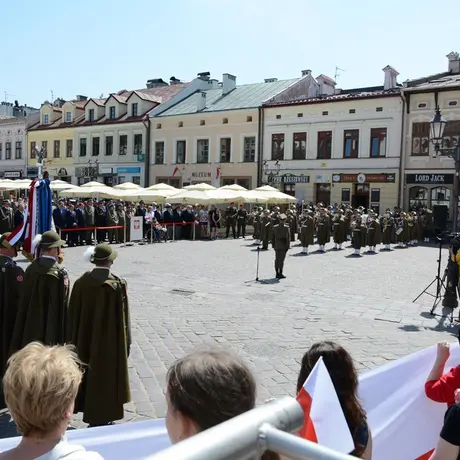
<point x="324" y="422"/>
<point x="218" y="173"/>
<point x="176" y="170"/>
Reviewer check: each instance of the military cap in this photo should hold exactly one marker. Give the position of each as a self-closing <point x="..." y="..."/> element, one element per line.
<point x="103" y="253"/>
<point x="4" y="242"/>
<point x="50" y="240"/>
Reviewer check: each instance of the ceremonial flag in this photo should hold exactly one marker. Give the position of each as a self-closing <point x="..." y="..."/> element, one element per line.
<point x="218" y="173"/>
<point x="405" y="424"/>
<point x="176" y="170"/>
<point x="324" y="421"/>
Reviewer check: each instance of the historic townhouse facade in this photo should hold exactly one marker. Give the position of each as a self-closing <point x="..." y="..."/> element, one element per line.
<point x="213" y="135"/>
<point x="339" y="146"/>
<point x="54" y="135"/>
<point x="428" y="179"/>
<point x="112" y="137"/>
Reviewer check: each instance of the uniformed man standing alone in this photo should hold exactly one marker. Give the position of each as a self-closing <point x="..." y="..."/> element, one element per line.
<point x="281" y="244"/>
<point x="99" y="328"/>
<point x="42" y="315"/>
<point x="242" y="218"/>
<point x="230" y="220"/>
<point x="11" y="279"/>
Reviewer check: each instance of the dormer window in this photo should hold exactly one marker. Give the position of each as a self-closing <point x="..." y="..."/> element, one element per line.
<point x="112" y="112"/>
<point x="91" y="114"/>
<point x="134" y="109"/>
<point x="46" y="119"/>
<point x="68" y="117"/>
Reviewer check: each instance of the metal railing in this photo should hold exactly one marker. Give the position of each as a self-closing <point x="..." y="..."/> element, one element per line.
<point x="249" y="435"/>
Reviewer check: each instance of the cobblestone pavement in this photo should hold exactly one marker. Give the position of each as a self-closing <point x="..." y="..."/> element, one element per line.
<point x="186" y="295"/>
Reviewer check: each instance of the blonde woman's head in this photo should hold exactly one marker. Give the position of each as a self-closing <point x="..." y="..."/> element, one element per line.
<point x="40" y="386"/>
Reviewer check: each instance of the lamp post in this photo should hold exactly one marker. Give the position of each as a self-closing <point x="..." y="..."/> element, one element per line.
<point x="437" y="127"/>
<point x="269" y="169"/>
<point x="40" y="154"/>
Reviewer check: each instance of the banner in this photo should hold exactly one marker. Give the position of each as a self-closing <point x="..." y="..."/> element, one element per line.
<point x="404" y="423"/>
<point x="136" y="229"/>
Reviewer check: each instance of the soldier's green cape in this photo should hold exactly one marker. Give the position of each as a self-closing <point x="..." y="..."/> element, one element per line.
<point x="11" y="279"/>
<point x="99" y="327"/>
<point x="42" y="314"/>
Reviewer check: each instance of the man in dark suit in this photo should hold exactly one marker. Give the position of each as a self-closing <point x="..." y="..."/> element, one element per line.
<point x="140" y="212"/>
<point x="167" y="220"/>
<point x="60" y="219"/>
<point x="81" y="223"/>
<point x="71" y="222"/>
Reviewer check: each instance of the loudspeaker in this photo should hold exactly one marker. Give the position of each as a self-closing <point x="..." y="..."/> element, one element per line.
<point x="440" y="214"/>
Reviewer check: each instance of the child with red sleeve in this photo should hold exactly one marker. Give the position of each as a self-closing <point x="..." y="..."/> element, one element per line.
<point x="441" y="387"/>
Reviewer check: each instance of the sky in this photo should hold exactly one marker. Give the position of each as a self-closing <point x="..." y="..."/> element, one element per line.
<point x="93" y="47"/>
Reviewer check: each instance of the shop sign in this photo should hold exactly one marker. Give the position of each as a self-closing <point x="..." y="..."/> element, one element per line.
<point x="362" y="178"/>
<point x="62" y="172"/>
<point x="203" y="175"/>
<point x="322" y="178"/>
<point x="32" y="171"/>
<point x="12" y="174"/>
<point x="128" y="170"/>
<point x="288" y="179"/>
<point x="428" y="179"/>
<point x="106" y="170"/>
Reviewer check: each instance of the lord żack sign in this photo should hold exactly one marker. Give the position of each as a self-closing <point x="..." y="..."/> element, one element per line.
<point x="430" y="179"/>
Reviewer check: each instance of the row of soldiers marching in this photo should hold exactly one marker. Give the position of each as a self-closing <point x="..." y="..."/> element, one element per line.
<point x="363" y="228"/>
<point x="37" y="305"/>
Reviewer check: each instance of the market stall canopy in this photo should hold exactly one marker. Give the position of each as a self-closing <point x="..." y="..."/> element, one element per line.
<point x="234" y="187"/>
<point x="127" y="186"/>
<point x="57" y="185"/>
<point x="200" y="187"/>
<point x="162" y="186"/>
<point x="273" y="195"/>
<point x="203" y="197"/>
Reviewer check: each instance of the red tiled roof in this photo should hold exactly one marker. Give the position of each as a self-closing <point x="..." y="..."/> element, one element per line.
<point x="345" y="96"/>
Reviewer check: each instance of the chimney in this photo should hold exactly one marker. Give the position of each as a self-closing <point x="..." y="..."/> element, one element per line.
<point x="156" y="83"/>
<point x="228" y="83"/>
<point x="390" y="77"/>
<point x="306" y="72"/>
<point x="204" y="75"/>
<point x="81" y="98"/>
<point x="200" y="101"/>
<point x="326" y="85"/>
<point x="454" y="62"/>
<point x="270" y="80"/>
<point x="174" y="81"/>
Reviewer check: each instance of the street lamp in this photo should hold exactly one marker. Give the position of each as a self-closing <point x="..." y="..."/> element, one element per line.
<point x="269" y="169"/>
<point x="437" y="127"/>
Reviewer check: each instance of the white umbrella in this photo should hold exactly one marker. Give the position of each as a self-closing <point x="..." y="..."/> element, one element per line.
<point x="57" y="185"/>
<point x="162" y="186"/>
<point x="253" y="197"/>
<point x="200" y="187"/>
<point x="86" y="192"/>
<point x="93" y="184"/>
<point x="150" y="196"/>
<point x="127" y="186"/>
<point x="273" y="195"/>
<point x="203" y="197"/>
<point x="233" y="187"/>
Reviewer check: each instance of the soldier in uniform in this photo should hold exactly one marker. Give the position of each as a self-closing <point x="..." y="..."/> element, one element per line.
<point x="100" y="221"/>
<point x="339" y="229"/>
<point x="42" y="314"/>
<point x="307" y="232"/>
<point x="373" y="231"/>
<point x="90" y="221"/>
<point x="322" y="223"/>
<point x="388" y="229"/>
<point x="265" y="229"/>
<point x="121" y="221"/>
<point x="11" y="279"/>
<point x="241" y="218"/>
<point x="357" y="230"/>
<point x="99" y="328"/>
<point x="256" y="216"/>
<point x="230" y="220"/>
<point x="281" y="244"/>
<point x="112" y="221"/>
<point x="292" y="222"/>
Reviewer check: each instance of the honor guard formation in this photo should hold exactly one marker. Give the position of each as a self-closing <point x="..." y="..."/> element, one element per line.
<point x="361" y="227"/>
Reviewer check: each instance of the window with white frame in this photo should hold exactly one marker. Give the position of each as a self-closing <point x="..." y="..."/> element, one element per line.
<point x="18" y="150"/>
<point x="137" y="144"/>
<point x="68" y="117"/>
<point x="112" y="112"/>
<point x="181" y="147"/>
<point x="249" y="149"/>
<point x="225" y="149"/>
<point x="134" y="109"/>
<point x="159" y="153"/>
<point x="46" y="119"/>
<point x="202" y="151"/>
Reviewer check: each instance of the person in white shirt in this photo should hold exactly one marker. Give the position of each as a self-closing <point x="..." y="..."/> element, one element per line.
<point x="40" y="386"/>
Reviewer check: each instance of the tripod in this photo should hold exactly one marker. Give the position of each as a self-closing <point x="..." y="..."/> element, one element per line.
<point x="440" y="285"/>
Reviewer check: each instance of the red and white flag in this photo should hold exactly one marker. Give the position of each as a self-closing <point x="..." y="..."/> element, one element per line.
<point x="176" y="170"/>
<point x="218" y="173"/>
<point x="325" y="421"/>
